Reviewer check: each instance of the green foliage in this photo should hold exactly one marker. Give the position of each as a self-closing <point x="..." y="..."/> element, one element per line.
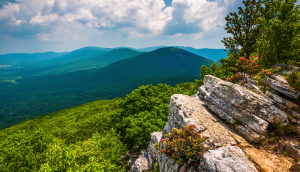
<point x="190" y="87"/>
<point x="279" y="41"/>
<point x="99" y="153"/>
<point x="280" y="129"/>
<point x="244" y="28"/>
<point x="205" y="71"/>
<point x="74" y="139"/>
<point x="143" y="111"/>
<point x="294" y="80"/>
<point x="37" y="95"/>
<point x="184" y="146"/>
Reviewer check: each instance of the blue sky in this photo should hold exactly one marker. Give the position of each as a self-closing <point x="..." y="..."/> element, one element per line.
<point x="63" y="25"/>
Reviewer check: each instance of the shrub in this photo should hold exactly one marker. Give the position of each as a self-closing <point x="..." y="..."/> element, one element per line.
<point x="245" y="66"/>
<point x="294" y="80"/>
<point x="184" y="145"/>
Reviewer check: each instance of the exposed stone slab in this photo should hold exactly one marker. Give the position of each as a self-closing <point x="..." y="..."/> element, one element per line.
<point x="233" y="102"/>
<point x="279" y="78"/>
<point x="275" y="97"/>
<point x="185" y="110"/>
<point x="280" y="87"/>
<point x="151" y="150"/>
<point x="257" y="157"/>
<point x="227" y="159"/>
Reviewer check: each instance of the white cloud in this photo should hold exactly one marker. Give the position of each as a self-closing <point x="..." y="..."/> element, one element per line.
<point x="7" y="13"/>
<point x="195" y="16"/>
<point x="43" y="36"/>
<point x="143" y="15"/>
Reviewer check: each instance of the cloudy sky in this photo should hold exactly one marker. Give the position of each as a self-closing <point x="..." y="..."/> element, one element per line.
<point x="64" y="25"/>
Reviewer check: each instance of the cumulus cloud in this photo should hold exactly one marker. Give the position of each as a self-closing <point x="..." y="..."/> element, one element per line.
<point x="86" y="20"/>
<point x="195" y="16"/>
<point x="7" y="12"/>
<point x="143" y="15"/>
<point x="6" y="2"/>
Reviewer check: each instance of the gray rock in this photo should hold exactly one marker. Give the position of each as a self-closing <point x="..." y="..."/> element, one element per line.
<point x="139" y="164"/>
<point x="185" y="110"/>
<point x="275" y="97"/>
<point x="279" y="78"/>
<point x="166" y="164"/>
<point x="226" y="159"/>
<point x="280" y="87"/>
<point x="285" y="68"/>
<point x="295" y="114"/>
<point x="233" y="102"/>
<point x="151" y="150"/>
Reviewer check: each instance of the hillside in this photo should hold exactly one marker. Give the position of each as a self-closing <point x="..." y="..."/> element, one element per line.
<point x="17" y="59"/>
<point x="83" y="61"/>
<point x="211" y="54"/>
<point x="33" y="96"/>
<point x="77" y="130"/>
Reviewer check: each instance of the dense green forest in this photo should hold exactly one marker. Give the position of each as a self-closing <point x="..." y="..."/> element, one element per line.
<point x="89" y="137"/>
<point x="33" y="96"/>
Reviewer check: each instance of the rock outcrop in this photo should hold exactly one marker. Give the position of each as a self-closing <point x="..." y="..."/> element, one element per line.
<point x="185" y="110"/>
<point x="250" y="111"/>
<point x="229" y="115"/>
<point x="152" y="156"/>
<point x="226" y="159"/>
<point x="281" y="87"/>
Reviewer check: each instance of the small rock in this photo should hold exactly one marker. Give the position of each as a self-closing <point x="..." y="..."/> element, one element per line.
<point x="280" y="79"/>
<point x="140" y="164"/>
<point x="295" y="114"/>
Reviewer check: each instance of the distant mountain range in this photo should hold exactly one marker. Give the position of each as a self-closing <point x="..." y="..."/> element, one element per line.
<point x="87" y="75"/>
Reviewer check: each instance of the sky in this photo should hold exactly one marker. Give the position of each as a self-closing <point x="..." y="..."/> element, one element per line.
<point x="29" y="26"/>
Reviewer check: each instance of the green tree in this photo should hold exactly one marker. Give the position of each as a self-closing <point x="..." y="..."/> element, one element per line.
<point x="244" y="28"/>
<point x="143" y="111"/>
<point x="280" y="38"/>
<point x="205" y="71"/>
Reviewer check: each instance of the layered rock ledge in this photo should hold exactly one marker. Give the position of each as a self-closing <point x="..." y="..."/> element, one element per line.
<point x="250" y="112"/>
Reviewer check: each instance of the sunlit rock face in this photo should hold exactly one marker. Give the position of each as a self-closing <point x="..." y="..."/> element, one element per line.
<point x="250" y="112"/>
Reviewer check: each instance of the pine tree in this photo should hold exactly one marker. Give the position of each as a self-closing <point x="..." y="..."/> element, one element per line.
<point x="244" y="29"/>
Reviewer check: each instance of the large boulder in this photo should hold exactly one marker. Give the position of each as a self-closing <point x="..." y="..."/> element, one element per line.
<point x="185" y="110"/>
<point x="250" y="112"/>
<point x="226" y="159"/>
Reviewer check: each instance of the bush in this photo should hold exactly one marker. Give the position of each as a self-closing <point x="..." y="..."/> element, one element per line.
<point x="184" y="146"/>
<point x="144" y="111"/>
<point x="294" y="80"/>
